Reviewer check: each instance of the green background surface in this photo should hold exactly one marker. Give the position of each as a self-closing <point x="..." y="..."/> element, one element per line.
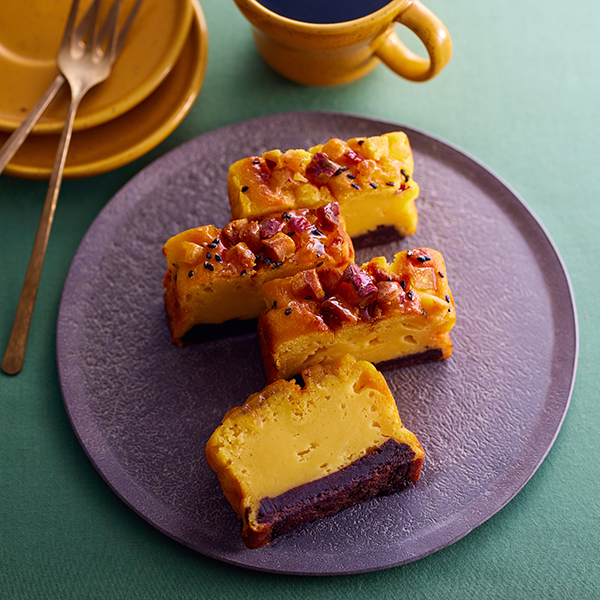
<point x="522" y="95"/>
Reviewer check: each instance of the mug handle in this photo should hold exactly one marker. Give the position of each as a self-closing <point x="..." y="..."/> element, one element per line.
<point x="430" y="30"/>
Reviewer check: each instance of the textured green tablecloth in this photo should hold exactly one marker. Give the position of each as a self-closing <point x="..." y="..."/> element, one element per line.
<point x="522" y="95"/>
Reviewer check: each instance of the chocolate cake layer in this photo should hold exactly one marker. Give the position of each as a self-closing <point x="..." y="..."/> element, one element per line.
<point x="206" y="332"/>
<point x="384" y="234"/>
<point x="432" y="355"/>
<point x="388" y="469"/>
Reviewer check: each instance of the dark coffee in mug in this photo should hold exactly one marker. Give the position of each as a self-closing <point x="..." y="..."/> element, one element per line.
<point x="324" y="11"/>
<point x="333" y="45"/>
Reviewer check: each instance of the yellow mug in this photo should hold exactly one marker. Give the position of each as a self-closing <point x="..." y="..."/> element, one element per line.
<point x="336" y="53"/>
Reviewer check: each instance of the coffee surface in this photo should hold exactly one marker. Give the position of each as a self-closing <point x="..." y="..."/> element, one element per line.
<point x="324" y="11"/>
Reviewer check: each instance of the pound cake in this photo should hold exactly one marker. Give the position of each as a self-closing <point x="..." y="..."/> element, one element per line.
<point x="370" y="177"/>
<point x="216" y="275"/>
<point x="294" y="454"/>
<point x="395" y="314"/>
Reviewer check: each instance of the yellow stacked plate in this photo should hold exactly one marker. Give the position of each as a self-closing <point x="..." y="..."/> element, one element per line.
<point x="153" y="85"/>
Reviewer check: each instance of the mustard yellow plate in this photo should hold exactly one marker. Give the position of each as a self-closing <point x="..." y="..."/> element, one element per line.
<point x="122" y="140"/>
<point x="30" y="35"/>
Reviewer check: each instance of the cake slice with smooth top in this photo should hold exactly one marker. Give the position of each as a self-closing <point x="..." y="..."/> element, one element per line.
<point x="291" y="454"/>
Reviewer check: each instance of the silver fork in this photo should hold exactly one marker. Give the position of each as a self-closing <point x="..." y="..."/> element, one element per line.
<point x="84" y="64"/>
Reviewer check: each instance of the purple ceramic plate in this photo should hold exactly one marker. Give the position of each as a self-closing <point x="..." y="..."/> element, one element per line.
<point x="143" y="409"/>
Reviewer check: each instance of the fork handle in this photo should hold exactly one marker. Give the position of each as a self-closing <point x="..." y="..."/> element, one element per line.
<point x="16" y="139"/>
<point x="14" y="356"/>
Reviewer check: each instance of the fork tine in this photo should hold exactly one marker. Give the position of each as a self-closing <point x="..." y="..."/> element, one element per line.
<point x="111" y="23"/>
<point x="127" y="25"/>
<point x="70" y="26"/>
<point x="92" y="30"/>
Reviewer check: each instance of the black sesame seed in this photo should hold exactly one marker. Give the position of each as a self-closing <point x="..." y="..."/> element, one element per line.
<point x="447" y="298"/>
<point x="350" y="176"/>
<point x="288" y="311"/>
<point x="356" y="186"/>
<point x="256" y="161"/>
<point x="403" y="284"/>
<point x="315" y="231"/>
<point x="267" y="260"/>
<point x="308" y="297"/>
<point x="208" y="255"/>
<point x="424" y="312"/>
<point x="410" y="295"/>
<point x="441" y="274"/>
<point x="449" y="310"/>
<point x="291" y="233"/>
<point x="285" y="216"/>
<point x="373" y="185"/>
<point x="409" y="253"/>
<point x="245" y="188"/>
<point x="338" y="172"/>
<point x="213" y="245"/>
<point x="320" y="264"/>
<point x="274" y="305"/>
<point x="244" y="272"/>
<point x="361" y="142"/>
<point x="405" y="175"/>
<point x="191" y="274"/>
<point x="216" y="241"/>
<point x="218" y="258"/>
<point x="276" y="265"/>
<point x="208" y="266"/>
<point x="423" y="258"/>
<point x="390" y="183"/>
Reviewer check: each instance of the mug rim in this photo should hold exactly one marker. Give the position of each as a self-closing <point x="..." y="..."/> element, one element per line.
<point x="307" y="26"/>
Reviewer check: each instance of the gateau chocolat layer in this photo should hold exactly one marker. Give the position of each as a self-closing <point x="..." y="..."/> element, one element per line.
<point x="389" y="314"/>
<point x="216" y="275"/>
<point x="370" y="177"/>
<point x="294" y="454"/>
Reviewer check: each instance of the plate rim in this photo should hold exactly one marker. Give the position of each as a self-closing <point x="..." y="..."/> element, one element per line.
<point x="526" y="472"/>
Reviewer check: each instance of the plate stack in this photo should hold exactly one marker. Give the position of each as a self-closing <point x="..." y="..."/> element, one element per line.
<point x="153" y="85"/>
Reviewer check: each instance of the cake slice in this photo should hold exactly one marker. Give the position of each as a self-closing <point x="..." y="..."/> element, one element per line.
<point x="370" y="177"/>
<point x="292" y="455"/>
<point x="216" y="275"/>
<point x="390" y="314"/>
